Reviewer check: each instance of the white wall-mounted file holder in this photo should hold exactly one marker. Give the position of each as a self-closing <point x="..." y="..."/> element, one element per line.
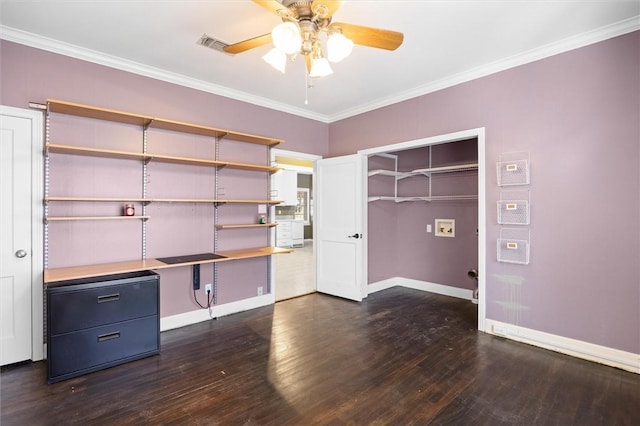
<point x="514" y="245"/>
<point x="513" y="169"/>
<point x="514" y="208"/>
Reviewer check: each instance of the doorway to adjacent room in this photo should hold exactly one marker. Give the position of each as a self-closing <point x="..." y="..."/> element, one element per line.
<point x="293" y="274"/>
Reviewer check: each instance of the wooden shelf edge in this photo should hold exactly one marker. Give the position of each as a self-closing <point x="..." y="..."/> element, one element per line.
<point x="80" y="110"/>
<point x="158" y="200"/>
<point x="93" y="152"/>
<point x="251" y="225"/>
<point x="253" y="252"/>
<point x="97" y="199"/>
<point x="127" y="155"/>
<point x="72" y="218"/>
<point x="88" y="271"/>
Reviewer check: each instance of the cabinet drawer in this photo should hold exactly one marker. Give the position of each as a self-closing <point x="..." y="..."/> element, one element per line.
<point x="71" y="308"/>
<point x="81" y="352"/>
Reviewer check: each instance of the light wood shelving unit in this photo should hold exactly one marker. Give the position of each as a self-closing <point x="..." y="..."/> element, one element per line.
<point x="147" y="122"/>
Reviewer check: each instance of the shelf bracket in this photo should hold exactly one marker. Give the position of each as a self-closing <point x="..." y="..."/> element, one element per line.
<point x="219" y="203"/>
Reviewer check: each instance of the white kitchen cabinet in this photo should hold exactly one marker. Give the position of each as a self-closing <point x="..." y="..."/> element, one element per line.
<point x="286" y="186"/>
<point x="283" y="234"/>
<point x="297" y="233"/>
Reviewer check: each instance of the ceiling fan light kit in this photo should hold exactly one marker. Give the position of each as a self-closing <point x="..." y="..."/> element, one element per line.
<point x="303" y="23"/>
<point x="286" y="37"/>
<point x="338" y="47"/>
<point x="277" y="59"/>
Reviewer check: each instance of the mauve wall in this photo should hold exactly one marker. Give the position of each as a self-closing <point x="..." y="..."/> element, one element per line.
<point x="578" y="115"/>
<point x="29" y="74"/>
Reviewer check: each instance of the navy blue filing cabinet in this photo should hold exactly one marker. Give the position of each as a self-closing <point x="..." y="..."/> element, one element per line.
<point x="96" y="323"/>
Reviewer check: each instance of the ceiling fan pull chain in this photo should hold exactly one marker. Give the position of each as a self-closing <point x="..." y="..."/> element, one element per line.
<point x="306" y="87"/>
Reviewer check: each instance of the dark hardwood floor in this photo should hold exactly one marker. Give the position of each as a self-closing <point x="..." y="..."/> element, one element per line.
<point x="401" y="357"/>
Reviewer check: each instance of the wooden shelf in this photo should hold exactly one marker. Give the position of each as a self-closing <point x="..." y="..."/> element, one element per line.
<point x="94" y="152"/>
<point x="109" y="153"/>
<point x="147" y="201"/>
<point x="251" y="225"/>
<point x="69" y="218"/>
<point x="80" y="110"/>
<point x="211" y="201"/>
<point x="161" y="200"/>
<point x="98" y="199"/>
<point x="87" y="271"/>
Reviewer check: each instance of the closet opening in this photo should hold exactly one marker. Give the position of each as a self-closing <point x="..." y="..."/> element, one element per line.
<point x="425" y="216"/>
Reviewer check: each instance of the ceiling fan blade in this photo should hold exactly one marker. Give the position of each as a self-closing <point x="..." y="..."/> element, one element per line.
<point x="274" y="7"/>
<point x="245" y="45"/>
<point x="325" y="8"/>
<point x="372" y="37"/>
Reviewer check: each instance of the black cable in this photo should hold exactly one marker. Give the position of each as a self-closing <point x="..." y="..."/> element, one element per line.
<point x="209" y="300"/>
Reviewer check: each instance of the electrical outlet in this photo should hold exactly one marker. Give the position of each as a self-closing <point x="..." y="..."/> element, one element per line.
<point x="259" y="291"/>
<point x="207" y="288"/>
<point x="429" y="227"/>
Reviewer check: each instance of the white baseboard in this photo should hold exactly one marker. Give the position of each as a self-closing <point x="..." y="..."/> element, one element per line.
<point x="382" y="285"/>
<point x="446" y="290"/>
<point x="200" y="315"/>
<point x="604" y="355"/>
<point x="601" y="354"/>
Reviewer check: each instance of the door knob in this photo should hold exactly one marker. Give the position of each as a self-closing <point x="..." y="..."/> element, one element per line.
<point x="356" y="236"/>
<point x="21" y="253"/>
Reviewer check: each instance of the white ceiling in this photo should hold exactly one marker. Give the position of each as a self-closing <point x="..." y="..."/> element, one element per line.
<point x="446" y="42"/>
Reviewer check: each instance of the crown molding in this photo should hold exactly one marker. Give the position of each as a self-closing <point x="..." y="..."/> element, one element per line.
<point x="73" y="51"/>
<point x="604" y="33"/>
<point x="565" y="45"/>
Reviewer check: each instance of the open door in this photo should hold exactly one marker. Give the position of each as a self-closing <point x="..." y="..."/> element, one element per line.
<point x="341" y="267"/>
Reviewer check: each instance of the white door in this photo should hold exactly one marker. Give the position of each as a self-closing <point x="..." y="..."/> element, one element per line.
<point x="16" y="241"/>
<point x="341" y="226"/>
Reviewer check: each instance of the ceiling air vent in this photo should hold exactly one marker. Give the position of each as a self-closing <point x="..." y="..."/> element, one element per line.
<point x="212" y="43"/>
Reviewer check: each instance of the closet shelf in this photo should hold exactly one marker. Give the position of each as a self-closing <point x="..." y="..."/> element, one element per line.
<point x="87" y="111"/>
<point x="427" y="199"/>
<point x="87" y="271"/>
<point x="438" y="170"/>
<point x="109" y="153"/>
<point x="383" y="172"/>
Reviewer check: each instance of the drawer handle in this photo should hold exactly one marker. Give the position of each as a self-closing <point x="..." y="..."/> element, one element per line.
<point x="108" y="336"/>
<point x="109" y="298"/>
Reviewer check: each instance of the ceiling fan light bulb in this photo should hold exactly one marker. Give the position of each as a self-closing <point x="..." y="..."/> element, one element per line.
<point x="338" y="47"/>
<point x="320" y="68"/>
<point x="286" y="37"/>
<point x="276" y="59"/>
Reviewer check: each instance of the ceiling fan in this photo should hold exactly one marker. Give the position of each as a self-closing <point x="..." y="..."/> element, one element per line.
<point x="299" y="33"/>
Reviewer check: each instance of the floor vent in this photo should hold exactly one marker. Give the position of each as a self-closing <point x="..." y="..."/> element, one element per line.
<point x="212" y="43"/>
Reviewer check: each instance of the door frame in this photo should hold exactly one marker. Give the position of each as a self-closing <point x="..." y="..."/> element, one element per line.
<point x="479" y="134"/>
<point x="37" y="226"/>
<point x="303" y="156"/>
